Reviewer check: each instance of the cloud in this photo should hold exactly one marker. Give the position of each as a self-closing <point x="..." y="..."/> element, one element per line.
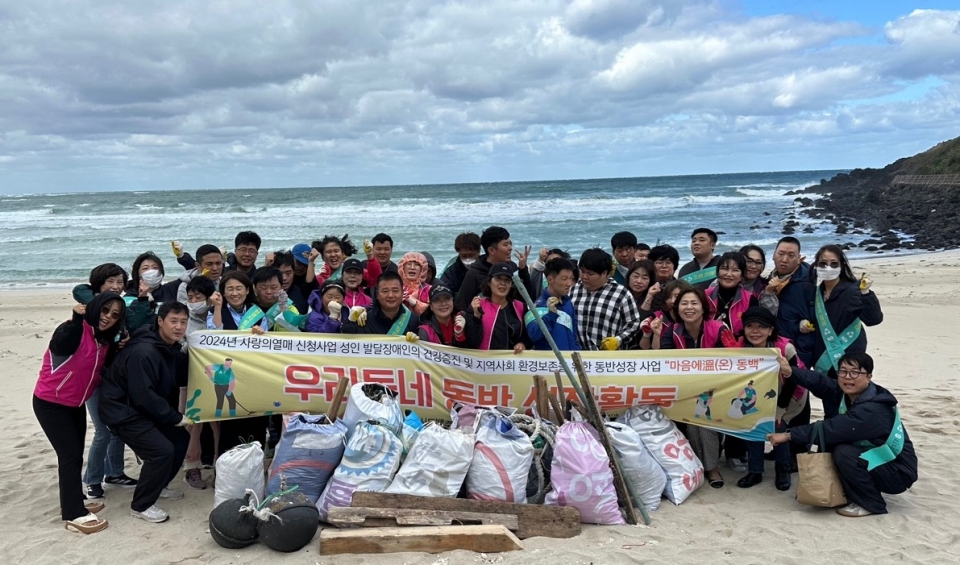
<point x="101" y="95"/>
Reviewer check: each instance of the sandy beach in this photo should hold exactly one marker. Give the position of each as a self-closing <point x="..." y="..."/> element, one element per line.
<point x="918" y="358"/>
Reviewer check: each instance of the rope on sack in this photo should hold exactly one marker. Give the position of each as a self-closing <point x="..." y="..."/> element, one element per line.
<point x="534" y="428"/>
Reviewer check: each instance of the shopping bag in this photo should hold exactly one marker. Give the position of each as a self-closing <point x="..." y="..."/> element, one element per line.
<point x="819" y="483"/>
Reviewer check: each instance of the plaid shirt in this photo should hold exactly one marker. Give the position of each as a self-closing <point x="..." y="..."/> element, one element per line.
<point x="608" y="312"/>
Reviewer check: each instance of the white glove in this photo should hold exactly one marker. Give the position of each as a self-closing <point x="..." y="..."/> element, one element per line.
<point x="335" y="308"/>
<point x="459" y="322"/>
<point x="223" y="252"/>
<point x="358" y="314"/>
<point x="552" y="304"/>
<point x="412" y="337"/>
<point x="367" y="247"/>
<point x="183" y="421"/>
<point x="177" y="248"/>
<point x="865" y="284"/>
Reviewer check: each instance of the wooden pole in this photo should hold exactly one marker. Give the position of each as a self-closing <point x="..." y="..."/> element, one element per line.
<point x="343" y="383"/>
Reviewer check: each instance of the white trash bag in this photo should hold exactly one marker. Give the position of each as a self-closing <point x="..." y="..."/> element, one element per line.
<point x="437" y="464"/>
<point x="239" y="469"/>
<point x="669" y="447"/>
<point x="639" y="466"/>
<point x="501" y="460"/>
<point x="372" y="401"/>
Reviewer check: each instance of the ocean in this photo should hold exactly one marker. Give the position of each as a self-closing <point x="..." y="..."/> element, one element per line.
<point x="55" y="239"/>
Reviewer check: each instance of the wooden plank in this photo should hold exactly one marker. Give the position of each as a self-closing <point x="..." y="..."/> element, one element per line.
<point x="428" y="539"/>
<point x="540" y="387"/>
<point x="368" y="517"/>
<point x="533" y="519"/>
<point x="596" y="420"/>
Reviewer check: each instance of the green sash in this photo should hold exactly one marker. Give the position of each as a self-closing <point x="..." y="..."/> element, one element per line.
<point x="290" y="320"/>
<point x="701" y="276"/>
<point x="250" y="318"/>
<point x="836" y="344"/>
<point x="338" y="274"/>
<point x="886" y="452"/>
<point x="400" y="326"/>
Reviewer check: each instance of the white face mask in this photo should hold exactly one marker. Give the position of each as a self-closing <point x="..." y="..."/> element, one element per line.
<point x="153" y="278"/>
<point x="468" y="262"/>
<point x="828" y="273"/>
<point x="198" y="308"/>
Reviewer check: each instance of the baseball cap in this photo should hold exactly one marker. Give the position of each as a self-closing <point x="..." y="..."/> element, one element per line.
<point x="760" y="315"/>
<point x="300" y="252"/>
<point x="440" y="290"/>
<point x="352" y="264"/>
<point x="499" y="269"/>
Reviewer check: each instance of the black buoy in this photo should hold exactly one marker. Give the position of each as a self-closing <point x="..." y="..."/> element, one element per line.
<point x="230" y="527"/>
<point x="288" y="521"/>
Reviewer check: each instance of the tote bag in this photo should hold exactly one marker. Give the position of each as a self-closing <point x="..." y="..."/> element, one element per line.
<point x="819" y="481"/>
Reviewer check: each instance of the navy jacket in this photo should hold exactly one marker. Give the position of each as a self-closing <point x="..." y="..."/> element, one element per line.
<point x="797" y="303"/>
<point x="869" y="418"/>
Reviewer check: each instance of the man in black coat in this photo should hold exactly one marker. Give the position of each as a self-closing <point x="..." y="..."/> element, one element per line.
<point x="139" y="396"/>
<point x="870" y="447"/>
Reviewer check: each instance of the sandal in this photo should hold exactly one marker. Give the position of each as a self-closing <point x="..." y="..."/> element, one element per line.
<point x="94" y="506"/>
<point x="716" y="482"/>
<point x="88" y="524"/>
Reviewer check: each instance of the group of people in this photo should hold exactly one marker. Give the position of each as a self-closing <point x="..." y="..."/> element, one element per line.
<point x="121" y="357"/>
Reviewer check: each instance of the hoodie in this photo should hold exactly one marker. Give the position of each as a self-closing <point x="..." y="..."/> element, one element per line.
<point x="142" y="388"/>
<point x="319" y="321"/>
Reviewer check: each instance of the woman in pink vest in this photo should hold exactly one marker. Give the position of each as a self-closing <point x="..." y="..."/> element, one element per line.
<point x="696" y="330"/>
<point x="496" y="322"/>
<point x="728" y="299"/>
<point x="78" y="352"/>
<point x="760" y="330"/>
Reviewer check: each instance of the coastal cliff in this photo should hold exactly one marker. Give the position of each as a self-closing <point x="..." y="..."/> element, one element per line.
<point x="911" y="203"/>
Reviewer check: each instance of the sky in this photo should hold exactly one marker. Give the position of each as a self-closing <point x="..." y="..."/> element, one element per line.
<point x="100" y="96"/>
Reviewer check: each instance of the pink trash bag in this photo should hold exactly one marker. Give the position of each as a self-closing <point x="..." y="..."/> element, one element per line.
<point x="581" y="475"/>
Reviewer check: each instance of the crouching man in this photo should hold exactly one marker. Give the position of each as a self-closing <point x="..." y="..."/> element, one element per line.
<point x="139" y="396"/>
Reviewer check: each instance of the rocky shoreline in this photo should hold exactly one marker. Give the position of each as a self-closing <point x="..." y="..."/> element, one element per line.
<point x="890" y="215"/>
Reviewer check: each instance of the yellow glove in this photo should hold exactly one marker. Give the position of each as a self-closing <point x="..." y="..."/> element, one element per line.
<point x="610" y="344"/>
<point x="177" y="248"/>
<point x="204" y="272"/>
<point x="358" y="314"/>
<point x="367" y="247"/>
<point x="552" y="303"/>
<point x="412" y="337"/>
<point x="806" y="327"/>
<point x="865" y="284"/>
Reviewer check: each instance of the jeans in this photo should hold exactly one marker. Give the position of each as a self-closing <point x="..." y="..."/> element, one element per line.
<point x="781" y="453"/>
<point x="105" y="457"/>
<point x="65" y="427"/>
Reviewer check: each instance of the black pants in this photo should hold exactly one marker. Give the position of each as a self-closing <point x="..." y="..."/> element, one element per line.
<point x="801" y="419"/>
<point x="734" y="447"/>
<point x="66" y="428"/>
<point x="162" y="450"/>
<point x="865" y="487"/>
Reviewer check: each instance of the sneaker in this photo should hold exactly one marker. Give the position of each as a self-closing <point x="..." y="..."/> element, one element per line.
<point x="93" y="492"/>
<point x="853" y="511"/>
<point x="170" y="494"/>
<point x="738" y="465"/>
<point x="121" y="480"/>
<point x="194" y="479"/>
<point x="154" y="514"/>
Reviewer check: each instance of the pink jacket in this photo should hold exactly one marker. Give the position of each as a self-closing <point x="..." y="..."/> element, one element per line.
<point x="357" y="298"/>
<point x="73" y="382"/>
<point x="741" y="302"/>
<point x="711" y="332"/>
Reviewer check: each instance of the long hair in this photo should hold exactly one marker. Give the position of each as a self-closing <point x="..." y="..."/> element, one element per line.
<point x="846" y="273"/>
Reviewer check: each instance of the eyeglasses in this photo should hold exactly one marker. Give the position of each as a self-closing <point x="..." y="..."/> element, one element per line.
<point x="662" y="262"/>
<point x="850" y="375"/>
<point x="824" y="265"/>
